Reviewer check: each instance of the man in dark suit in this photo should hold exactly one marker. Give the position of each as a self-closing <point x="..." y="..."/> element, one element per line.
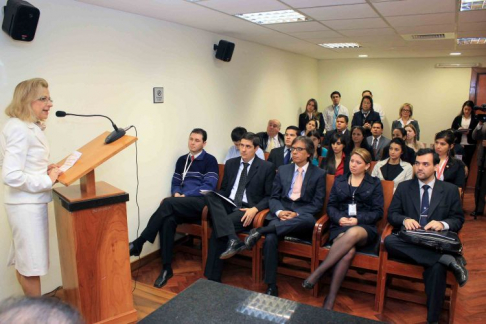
<point x="272" y="138"/>
<point x="298" y="194"/>
<point x="247" y="184"/>
<point x="341" y="127"/>
<point x="281" y="155"/>
<point x="434" y="205"/>
<point x="408" y="155"/>
<point x="377" y="141"/>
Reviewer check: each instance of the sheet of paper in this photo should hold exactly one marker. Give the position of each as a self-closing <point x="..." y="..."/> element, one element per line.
<point x="70" y="161"/>
<point x="204" y="192"/>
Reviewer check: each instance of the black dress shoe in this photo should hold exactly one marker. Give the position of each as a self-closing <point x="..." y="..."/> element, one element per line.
<point x="272" y="291"/>
<point x="252" y="238"/>
<point x="307" y="285"/>
<point x="461" y="260"/>
<point x="134" y="251"/>
<point x="234" y="246"/>
<point x="163" y="278"/>
<point x="459" y="271"/>
<point x="476" y="214"/>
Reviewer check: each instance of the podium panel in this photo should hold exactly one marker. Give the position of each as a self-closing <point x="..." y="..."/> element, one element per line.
<point x="95" y="264"/>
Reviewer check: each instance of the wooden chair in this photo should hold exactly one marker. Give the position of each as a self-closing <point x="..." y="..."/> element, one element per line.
<point x="372" y="166"/>
<point x="366" y="258"/>
<point x="266" y="154"/>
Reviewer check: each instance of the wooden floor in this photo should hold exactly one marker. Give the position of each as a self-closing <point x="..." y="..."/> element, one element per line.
<point x="471" y="307"/>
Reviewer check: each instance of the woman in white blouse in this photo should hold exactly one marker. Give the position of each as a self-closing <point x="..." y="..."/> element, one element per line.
<point x="394" y="168"/>
<point x="464" y="125"/>
<point x="28" y="180"/>
<point x="406" y="113"/>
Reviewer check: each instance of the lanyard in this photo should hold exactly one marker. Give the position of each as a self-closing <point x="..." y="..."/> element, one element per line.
<point x="440" y="171"/>
<point x="352" y="193"/>
<point x="186" y="168"/>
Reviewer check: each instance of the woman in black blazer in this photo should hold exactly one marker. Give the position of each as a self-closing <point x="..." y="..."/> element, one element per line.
<point x="311" y="112"/>
<point x="450" y="169"/>
<point x="466" y="122"/>
<point x="355" y="206"/>
<point x="358" y="139"/>
<point x="337" y="160"/>
<point x="366" y="115"/>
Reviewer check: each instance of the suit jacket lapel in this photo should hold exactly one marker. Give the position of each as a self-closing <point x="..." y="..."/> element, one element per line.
<point x="307" y="177"/>
<point x="39" y="134"/>
<point x="437" y="194"/>
<point x="415" y="197"/>
<point x="253" y="170"/>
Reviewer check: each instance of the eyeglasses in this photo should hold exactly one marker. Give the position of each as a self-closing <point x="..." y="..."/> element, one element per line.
<point x="406" y="110"/>
<point x="45" y="99"/>
<point x="298" y="149"/>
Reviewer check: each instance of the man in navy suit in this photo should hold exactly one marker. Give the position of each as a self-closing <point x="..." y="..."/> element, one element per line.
<point x="434" y="205"/>
<point x="298" y="194"/>
<point x="281" y="155"/>
<point x="247" y="183"/>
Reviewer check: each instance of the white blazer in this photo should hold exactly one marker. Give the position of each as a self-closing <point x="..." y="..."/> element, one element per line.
<point x="24" y="157"/>
<point x="406" y="174"/>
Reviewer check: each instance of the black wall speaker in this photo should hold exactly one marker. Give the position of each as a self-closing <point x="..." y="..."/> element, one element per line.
<point x="224" y="50"/>
<point x="20" y="20"/>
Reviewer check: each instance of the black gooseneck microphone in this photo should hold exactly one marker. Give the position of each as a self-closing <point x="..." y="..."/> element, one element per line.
<point x="116" y="134"/>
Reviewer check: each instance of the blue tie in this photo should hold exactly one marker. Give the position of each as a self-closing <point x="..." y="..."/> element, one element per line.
<point x="424" y="208"/>
<point x="287" y="156"/>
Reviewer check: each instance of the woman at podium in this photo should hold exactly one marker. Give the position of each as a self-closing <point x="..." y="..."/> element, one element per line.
<point x="28" y="179"/>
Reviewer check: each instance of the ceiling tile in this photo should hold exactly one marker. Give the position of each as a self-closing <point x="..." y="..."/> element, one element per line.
<point x="472" y="16"/>
<point x="356" y="23"/>
<point x="374" y="31"/>
<point x="419" y="20"/>
<point x="433" y="29"/>
<point x="415" y="7"/>
<point x="317" y="34"/>
<point x="472" y="26"/>
<point x="320" y="3"/>
<point x="322" y="40"/>
<point x="298" y="27"/>
<point x="341" y="12"/>
<point x="233" y="7"/>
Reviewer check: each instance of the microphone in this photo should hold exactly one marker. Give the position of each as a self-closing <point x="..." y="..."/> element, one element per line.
<point x="115" y="135"/>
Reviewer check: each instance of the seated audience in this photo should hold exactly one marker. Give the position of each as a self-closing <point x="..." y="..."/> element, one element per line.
<point x="376" y="106"/>
<point x="341" y="128"/>
<point x="377" y="141"/>
<point x="281" y="155"/>
<point x="336" y="161"/>
<point x="311" y="112"/>
<point x="272" y="138"/>
<point x="406" y="113"/>
<point x="332" y="112"/>
<point x="355" y="206"/>
<point x="412" y="138"/>
<point x="247" y="182"/>
<point x="234" y="151"/>
<point x="298" y="194"/>
<point x="408" y="155"/>
<point x="449" y="169"/>
<point x="310" y="126"/>
<point x="464" y="125"/>
<point x="358" y="140"/>
<point x="394" y="168"/>
<point x="366" y="115"/>
<point x="318" y="150"/>
<point x="445" y="213"/>
<point x="194" y="172"/>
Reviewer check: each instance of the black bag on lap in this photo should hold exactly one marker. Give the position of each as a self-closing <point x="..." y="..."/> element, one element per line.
<point x="441" y="241"/>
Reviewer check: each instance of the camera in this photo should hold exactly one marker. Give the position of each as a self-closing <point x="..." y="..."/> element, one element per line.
<point x="481" y="116"/>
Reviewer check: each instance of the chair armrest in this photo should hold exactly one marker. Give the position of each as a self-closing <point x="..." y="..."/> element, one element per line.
<point x="204" y="214"/>
<point x="260" y="218"/>
<point x="321" y="230"/>
<point x="387" y="231"/>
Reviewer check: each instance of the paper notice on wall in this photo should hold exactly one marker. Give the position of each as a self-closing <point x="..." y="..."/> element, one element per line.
<point x="70" y="161"/>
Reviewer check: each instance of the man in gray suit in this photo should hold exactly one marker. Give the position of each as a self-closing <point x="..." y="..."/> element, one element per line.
<point x="377" y="141"/>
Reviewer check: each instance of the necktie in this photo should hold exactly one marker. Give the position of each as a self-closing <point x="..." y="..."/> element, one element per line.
<point x="271" y="145"/>
<point x="287" y="156"/>
<point x="241" y="185"/>
<point x="192" y="158"/>
<point x="336" y="111"/>
<point x="375" y="147"/>
<point x="424" y="207"/>
<point x="297" y="186"/>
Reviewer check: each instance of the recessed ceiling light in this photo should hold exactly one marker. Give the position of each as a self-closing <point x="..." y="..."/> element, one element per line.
<point x="340" y="45"/>
<point x="455" y="54"/>
<point x="467" y="5"/>
<point x="274" y="17"/>
<point x="362" y="55"/>
<point x="471" y="41"/>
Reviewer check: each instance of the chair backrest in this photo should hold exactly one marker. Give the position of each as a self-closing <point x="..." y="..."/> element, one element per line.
<point x="372" y="166"/>
<point x="221" y="172"/>
<point x="388" y="189"/>
<point x="329" y="184"/>
<point x="266" y="155"/>
<point x="320" y="161"/>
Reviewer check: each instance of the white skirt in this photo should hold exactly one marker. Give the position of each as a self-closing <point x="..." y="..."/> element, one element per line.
<point x="29" y="251"/>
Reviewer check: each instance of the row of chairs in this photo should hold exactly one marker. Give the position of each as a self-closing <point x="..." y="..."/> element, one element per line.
<point x="368" y="260"/>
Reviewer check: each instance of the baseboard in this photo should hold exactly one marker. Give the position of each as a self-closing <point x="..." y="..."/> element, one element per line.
<point x="146" y="259"/>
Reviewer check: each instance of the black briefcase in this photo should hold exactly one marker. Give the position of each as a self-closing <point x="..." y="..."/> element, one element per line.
<point x="441" y="241"/>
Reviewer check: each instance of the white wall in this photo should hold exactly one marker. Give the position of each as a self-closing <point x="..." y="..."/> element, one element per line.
<point x="436" y="94"/>
<point x="98" y="60"/>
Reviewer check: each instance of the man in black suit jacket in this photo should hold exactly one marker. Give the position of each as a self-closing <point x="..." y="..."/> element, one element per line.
<point x="298" y="194"/>
<point x="377" y="141"/>
<point x="408" y="155"/>
<point x="341" y="127"/>
<point x="440" y="206"/>
<point x="281" y="155"/>
<point x="273" y="133"/>
<point x="247" y="183"/>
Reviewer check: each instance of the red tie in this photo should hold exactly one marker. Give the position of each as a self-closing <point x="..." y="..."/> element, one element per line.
<point x="192" y="158"/>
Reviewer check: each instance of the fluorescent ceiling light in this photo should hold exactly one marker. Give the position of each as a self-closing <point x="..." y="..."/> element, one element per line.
<point x="455" y="54"/>
<point x="362" y="55"/>
<point x="340" y="45"/>
<point x="274" y="17"/>
<point x="471" y="41"/>
<point x="467" y="5"/>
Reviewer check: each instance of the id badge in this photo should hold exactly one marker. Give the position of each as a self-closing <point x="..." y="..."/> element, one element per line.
<point x="352" y="210"/>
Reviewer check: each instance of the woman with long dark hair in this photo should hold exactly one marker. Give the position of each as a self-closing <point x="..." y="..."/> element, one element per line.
<point x="464" y="125"/>
<point x="318" y="149"/>
<point x="358" y="140"/>
<point x="394" y="168"/>
<point x="311" y="112"/>
<point x="449" y="169"/>
<point x="366" y="115"/>
<point x="336" y="161"/>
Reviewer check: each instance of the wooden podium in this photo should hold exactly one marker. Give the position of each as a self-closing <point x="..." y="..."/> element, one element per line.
<point x="92" y="233"/>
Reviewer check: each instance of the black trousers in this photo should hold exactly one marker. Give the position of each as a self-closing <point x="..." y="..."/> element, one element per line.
<point x="480" y="195"/>
<point x="299" y="226"/>
<point x="468" y="154"/>
<point x="226" y="221"/>
<point x="172" y="211"/>
<point x="435" y="273"/>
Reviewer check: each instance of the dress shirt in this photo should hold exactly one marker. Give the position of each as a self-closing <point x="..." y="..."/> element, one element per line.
<point x="276" y="142"/>
<point x="237" y="181"/>
<point x="431" y="187"/>
<point x="304" y="170"/>
<point x="330" y="116"/>
<point x="233" y="153"/>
